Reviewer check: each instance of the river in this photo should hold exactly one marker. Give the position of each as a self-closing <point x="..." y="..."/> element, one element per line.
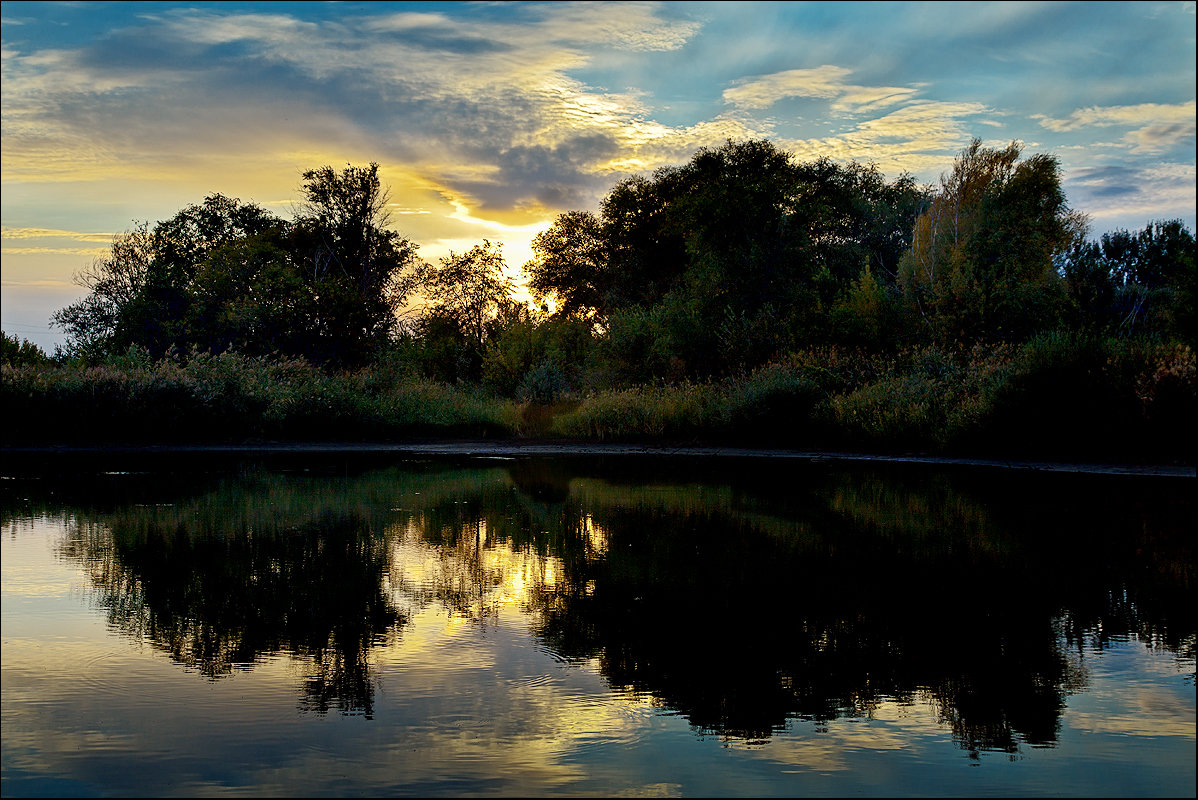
<point x="513" y="625"/>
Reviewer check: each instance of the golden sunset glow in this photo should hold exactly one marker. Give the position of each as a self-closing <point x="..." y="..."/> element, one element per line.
<point x="488" y="121"/>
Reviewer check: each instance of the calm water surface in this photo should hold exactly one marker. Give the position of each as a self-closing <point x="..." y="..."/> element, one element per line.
<point x="343" y="625"/>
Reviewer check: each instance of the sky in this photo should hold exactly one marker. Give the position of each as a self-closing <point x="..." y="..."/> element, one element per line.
<point x="489" y="119"/>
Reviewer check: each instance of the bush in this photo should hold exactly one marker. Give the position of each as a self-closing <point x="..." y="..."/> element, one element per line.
<point x="774" y="403"/>
<point x="900" y="411"/>
<point x="21" y="352"/>
<point x="1060" y="396"/>
<point x="545" y="383"/>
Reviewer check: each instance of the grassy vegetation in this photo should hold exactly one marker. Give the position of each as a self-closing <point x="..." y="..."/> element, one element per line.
<point x="1058" y="395"/>
<point x="233" y="398"/>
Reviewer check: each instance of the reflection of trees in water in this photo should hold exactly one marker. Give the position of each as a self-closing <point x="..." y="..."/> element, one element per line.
<point x="506" y="540"/>
<point x="830" y="597"/>
<point x="220" y="583"/>
<point x="742" y="602"/>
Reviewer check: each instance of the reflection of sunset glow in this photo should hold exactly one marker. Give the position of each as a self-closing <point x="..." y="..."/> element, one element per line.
<point x="596" y="536"/>
<point x="476" y="578"/>
<point x="515" y="661"/>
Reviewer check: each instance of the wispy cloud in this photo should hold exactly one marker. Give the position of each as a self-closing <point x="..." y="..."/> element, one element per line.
<point x="915" y="138"/>
<point x="1157" y="127"/>
<point x="422" y="89"/>
<point x="1133" y="192"/>
<point x="53" y="241"/>
<point x="60" y="251"/>
<point x="1102" y="117"/>
<point x="500" y="109"/>
<point x="52" y="233"/>
<point x="827" y="82"/>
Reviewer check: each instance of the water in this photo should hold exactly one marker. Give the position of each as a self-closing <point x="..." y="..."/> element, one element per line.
<point x="607" y="626"/>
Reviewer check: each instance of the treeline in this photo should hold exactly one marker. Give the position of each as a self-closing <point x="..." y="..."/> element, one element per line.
<point x="706" y="269"/>
<point x="722" y="273"/>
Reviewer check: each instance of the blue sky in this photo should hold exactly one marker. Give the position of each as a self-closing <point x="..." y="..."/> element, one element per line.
<point x="488" y="119"/>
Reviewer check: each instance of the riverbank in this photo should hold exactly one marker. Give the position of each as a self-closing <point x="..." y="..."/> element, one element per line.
<point x="1055" y="400"/>
<point x="525" y="448"/>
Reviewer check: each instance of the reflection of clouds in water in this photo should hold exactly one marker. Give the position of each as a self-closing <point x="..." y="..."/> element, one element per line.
<point x="893" y="726"/>
<point x="461" y="708"/>
<point x="479" y="683"/>
<point x="1136" y="690"/>
<point x="23" y="537"/>
<point x="477" y="705"/>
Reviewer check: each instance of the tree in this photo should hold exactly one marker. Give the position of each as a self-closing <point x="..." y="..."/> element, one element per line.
<point x="247" y="296"/>
<point x="468" y="289"/>
<point x="570" y="264"/>
<point x="726" y="260"/>
<point x="361" y="271"/>
<point x="1090" y="287"/>
<point x="102" y="321"/>
<point x="21" y="352"/>
<point x="224" y="274"/>
<point x="982" y="262"/>
<point x="141" y="293"/>
<point x="1149" y="279"/>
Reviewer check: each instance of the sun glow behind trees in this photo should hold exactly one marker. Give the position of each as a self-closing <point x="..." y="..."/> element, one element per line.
<point x="490" y="120"/>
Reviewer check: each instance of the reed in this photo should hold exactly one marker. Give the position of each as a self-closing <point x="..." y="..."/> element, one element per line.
<point x="1058" y="395"/>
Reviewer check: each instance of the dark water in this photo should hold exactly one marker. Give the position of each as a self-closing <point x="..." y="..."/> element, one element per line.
<point x="188" y="625"/>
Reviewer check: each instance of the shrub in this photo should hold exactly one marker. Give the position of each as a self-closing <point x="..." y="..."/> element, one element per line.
<point x="899" y="411"/>
<point x="774" y="403"/>
<point x="21" y="352"/>
<point x="545" y="383"/>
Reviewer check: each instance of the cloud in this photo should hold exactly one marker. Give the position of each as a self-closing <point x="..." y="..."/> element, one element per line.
<point x="46" y="233"/>
<point x="1132" y="194"/>
<point x="1160" y="137"/>
<point x="1105" y="116"/>
<point x="1158" y="127"/>
<point x="916" y="138"/>
<point x="826" y="82"/>
<point x="623" y="25"/>
<point x="486" y="108"/>
<point x="52" y="241"/>
<point x="171" y="93"/>
<point x="65" y="251"/>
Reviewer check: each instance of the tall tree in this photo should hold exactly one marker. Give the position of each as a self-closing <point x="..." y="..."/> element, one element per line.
<point x="467" y="291"/>
<point x="141" y="293"/>
<point x="725" y="260"/>
<point x="982" y="262"/>
<point x="225" y="274"/>
<point x="99" y="323"/>
<point x="1134" y="282"/>
<point x="570" y="264"/>
<point x="361" y="270"/>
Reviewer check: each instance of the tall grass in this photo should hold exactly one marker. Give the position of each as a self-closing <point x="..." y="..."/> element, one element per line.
<point x="1059" y="395"/>
<point x="233" y="398"/>
<point x="1055" y="396"/>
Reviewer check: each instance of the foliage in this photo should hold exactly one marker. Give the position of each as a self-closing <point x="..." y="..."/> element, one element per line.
<point x="740" y="297"/>
<point x="467" y="292"/>
<point x="569" y="264"/>
<point x="223" y="275"/>
<point x="529" y="357"/>
<point x="982" y="260"/>
<point x="230" y="397"/>
<point x="1135" y="282"/>
<point x="21" y="352"/>
<point x="725" y="262"/>
<point x="362" y="272"/>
